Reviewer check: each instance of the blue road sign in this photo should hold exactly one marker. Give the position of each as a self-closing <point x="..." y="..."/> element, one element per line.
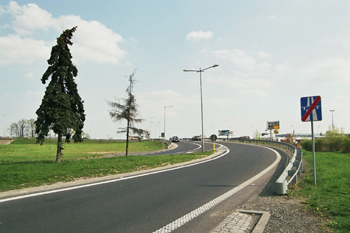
<point x="311" y="108"/>
<point x="224" y="132"/>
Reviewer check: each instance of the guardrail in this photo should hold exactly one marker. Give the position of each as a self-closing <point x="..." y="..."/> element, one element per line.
<point x="292" y="169"/>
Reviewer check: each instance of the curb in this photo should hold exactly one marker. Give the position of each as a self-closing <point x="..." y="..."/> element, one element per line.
<point x="242" y="221"/>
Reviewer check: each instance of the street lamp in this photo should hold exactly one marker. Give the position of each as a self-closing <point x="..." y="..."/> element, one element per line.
<point x="332" y="120"/>
<point x="200" y="78"/>
<point x="164" y="118"/>
<point x="150" y="128"/>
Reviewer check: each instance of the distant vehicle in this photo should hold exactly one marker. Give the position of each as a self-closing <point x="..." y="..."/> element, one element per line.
<point x="174" y="139"/>
<point x="196" y="138"/>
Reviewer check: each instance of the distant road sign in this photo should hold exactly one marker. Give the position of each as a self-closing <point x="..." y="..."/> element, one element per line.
<point x="272" y="124"/>
<point x="311" y="108"/>
<point x="213" y="137"/>
<point x="224" y="132"/>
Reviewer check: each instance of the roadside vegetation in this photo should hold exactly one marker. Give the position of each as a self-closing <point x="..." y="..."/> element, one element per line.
<point x="23" y="163"/>
<point x="334" y="140"/>
<point x="330" y="197"/>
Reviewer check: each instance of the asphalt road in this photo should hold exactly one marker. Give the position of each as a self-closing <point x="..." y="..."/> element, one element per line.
<point x="142" y="204"/>
<point x="185" y="147"/>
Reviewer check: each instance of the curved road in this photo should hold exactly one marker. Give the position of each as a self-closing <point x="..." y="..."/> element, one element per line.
<point x="186" y="147"/>
<point x="145" y="203"/>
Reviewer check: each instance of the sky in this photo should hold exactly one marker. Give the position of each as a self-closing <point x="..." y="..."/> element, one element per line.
<point x="270" y="54"/>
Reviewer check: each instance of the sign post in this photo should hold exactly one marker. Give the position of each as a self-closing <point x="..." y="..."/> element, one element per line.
<point x="273" y="125"/>
<point x="311" y="111"/>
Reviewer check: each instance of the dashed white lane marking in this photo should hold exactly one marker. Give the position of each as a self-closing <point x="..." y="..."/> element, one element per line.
<point x="195" y="213"/>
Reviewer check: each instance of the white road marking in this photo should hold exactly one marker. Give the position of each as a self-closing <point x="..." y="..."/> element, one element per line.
<point x="110" y="181"/>
<point x="195" y="213"/>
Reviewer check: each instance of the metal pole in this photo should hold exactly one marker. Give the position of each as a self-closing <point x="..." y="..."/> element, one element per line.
<point x="271" y="139"/>
<point x="164" y="125"/>
<point x="313" y="150"/>
<point x="332" y="119"/>
<point x="164" y="119"/>
<point x="150" y="128"/>
<point x="200" y="78"/>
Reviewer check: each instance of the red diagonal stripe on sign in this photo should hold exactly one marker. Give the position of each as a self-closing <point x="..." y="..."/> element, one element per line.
<point x="312" y="107"/>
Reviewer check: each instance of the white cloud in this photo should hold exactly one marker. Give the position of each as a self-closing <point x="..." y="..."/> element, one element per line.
<point x="29" y="75"/>
<point x="331" y="69"/>
<point x="239" y="57"/>
<point x="282" y="68"/>
<point x="14" y="49"/>
<point x="199" y="35"/>
<point x="253" y="93"/>
<point x="242" y="83"/>
<point x="225" y="101"/>
<point x="93" y="41"/>
<point x="34" y="93"/>
<point x="30" y="17"/>
<point x="263" y="54"/>
<point x="164" y="97"/>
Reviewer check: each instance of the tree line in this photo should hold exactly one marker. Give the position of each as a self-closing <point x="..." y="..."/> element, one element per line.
<point x="22" y="128"/>
<point x="26" y="129"/>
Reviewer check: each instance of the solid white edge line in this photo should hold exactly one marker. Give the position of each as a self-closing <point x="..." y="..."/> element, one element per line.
<point x="109" y="181"/>
<point x="195" y="213"/>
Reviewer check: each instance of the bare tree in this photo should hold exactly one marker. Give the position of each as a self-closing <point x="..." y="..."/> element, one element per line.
<point x="31" y="128"/>
<point x="14" y="130"/>
<point x="22" y="126"/>
<point x="127" y="111"/>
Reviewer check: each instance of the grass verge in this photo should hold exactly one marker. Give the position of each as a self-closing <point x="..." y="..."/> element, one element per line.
<point x="28" y="164"/>
<point x="331" y="195"/>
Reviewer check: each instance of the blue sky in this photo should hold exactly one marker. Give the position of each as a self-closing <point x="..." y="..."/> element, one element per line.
<point x="270" y="54"/>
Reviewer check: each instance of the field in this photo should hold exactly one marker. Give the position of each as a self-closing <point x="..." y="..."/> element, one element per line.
<point x="26" y="164"/>
<point x="331" y="195"/>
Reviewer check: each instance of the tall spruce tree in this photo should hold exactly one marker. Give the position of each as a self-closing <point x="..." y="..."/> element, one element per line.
<point x="127" y="111"/>
<point x="61" y="109"/>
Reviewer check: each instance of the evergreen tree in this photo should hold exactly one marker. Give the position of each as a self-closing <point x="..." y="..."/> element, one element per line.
<point x="61" y="109"/>
<point x="127" y="111"/>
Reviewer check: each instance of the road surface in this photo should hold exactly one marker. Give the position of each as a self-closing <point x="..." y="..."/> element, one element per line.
<point x="144" y="203"/>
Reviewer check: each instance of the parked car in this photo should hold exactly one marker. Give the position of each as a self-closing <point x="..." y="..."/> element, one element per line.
<point x="174" y="139"/>
<point x="196" y="138"/>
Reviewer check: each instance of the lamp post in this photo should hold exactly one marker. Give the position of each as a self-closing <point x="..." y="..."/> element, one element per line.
<point x="200" y="78"/>
<point x="150" y="128"/>
<point x="158" y="130"/>
<point x="332" y="120"/>
<point x="164" y="119"/>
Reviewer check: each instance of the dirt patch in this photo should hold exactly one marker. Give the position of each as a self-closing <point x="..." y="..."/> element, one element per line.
<point x="5" y="141"/>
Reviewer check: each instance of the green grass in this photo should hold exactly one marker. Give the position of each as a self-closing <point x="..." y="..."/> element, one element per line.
<point x="331" y="195"/>
<point x="26" y="164"/>
<point x="23" y="149"/>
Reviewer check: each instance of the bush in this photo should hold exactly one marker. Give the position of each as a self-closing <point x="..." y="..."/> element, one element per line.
<point x="346" y="145"/>
<point x="333" y="141"/>
<point x="320" y="144"/>
<point x="306" y="144"/>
